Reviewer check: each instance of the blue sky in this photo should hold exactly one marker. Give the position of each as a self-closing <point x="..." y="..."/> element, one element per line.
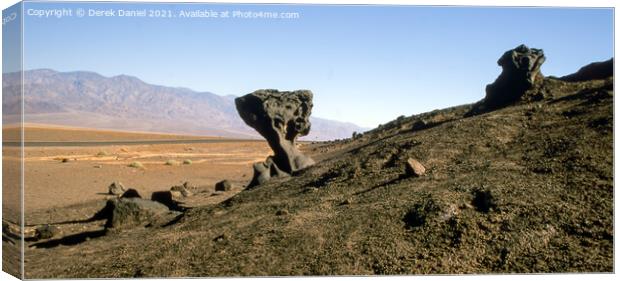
<point x="365" y="64"/>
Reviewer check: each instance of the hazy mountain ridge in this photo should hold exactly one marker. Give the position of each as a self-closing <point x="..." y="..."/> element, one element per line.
<point x="88" y="99"/>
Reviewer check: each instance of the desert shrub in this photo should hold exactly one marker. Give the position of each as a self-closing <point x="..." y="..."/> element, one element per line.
<point x="187" y="162"/>
<point x="102" y="153"/>
<point x="172" y="163"/>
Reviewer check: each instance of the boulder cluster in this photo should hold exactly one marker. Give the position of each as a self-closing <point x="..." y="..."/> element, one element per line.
<point x="128" y="209"/>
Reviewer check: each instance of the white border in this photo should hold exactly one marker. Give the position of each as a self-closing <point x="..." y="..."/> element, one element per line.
<point x="506" y="3"/>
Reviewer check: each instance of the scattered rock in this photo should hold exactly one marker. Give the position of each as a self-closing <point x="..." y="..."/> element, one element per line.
<point x="98" y="166"/>
<point x="282" y="212"/>
<point x="224" y="185"/>
<point x="263" y="171"/>
<point x="136" y="165"/>
<point x="414" y="168"/>
<point x="419" y="124"/>
<point x="45" y="232"/>
<point x="116" y="188"/>
<point x="167" y="198"/>
<point x="280" y="117"/>
<point x="65" y="160"/>
<point x="131" y="193"/>
<point x="181" y="190"/>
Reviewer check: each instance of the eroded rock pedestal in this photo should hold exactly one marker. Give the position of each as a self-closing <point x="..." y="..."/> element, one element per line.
<point x="520" y="74"/>
<point x="280" y="117"/>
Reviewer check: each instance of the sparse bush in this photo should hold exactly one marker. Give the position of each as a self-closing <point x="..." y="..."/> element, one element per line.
<point x="64" y="160"/>
<point x="172" y="163"/>
<point x="187" y="162"/>
<point x="102" y="154"/>
<point x="136" y="165"/>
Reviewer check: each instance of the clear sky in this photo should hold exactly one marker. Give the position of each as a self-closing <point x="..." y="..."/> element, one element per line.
<point x="365" y="64"/>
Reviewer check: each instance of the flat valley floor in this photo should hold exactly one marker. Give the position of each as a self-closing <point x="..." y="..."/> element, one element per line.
<point x="67" y="179"/>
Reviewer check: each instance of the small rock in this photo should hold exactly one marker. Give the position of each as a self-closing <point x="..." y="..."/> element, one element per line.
<point x="224" y="185"/>
<point x="414" y="168"/>
<point x="116" y="188"/>
<point x="45" y="232"/>
<point x="282" y="212"/>
<point x="98" y="166"/>
<point x="181" y="190"/>
<point x="221" y="238"/>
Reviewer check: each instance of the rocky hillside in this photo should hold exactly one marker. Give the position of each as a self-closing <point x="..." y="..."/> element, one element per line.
<point x="87" y="99"/>
<point x="527" y="187"/>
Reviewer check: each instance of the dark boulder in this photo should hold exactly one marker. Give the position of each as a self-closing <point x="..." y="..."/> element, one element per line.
<point x="167" y="198"/>
<point x="131" y="212"/>
<point x="593" y="71"/>
<point x="224" y="185"/>
<point x="131" y="193"/>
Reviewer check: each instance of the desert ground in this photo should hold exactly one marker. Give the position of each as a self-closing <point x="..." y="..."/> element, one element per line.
<point x="67" y="178"/>
<point x="525" y="188"/>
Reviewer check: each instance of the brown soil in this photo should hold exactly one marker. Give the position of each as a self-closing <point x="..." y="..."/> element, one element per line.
<point x="527" y="188"/>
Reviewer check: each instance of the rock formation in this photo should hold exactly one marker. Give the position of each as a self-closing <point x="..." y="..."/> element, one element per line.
<point x="520" y="73"/>
<point x="280" y="117"/>
<point x="596" y="70"/>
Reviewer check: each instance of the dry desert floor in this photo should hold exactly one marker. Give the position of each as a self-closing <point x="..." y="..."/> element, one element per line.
<point x="68" y="170"/>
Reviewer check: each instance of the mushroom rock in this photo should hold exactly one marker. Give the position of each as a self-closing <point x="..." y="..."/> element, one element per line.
<point x="520" y="73"/>
<point x="280" y="117"/>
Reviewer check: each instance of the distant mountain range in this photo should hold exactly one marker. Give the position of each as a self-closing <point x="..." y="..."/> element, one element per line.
<point x="88" y="99"/>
